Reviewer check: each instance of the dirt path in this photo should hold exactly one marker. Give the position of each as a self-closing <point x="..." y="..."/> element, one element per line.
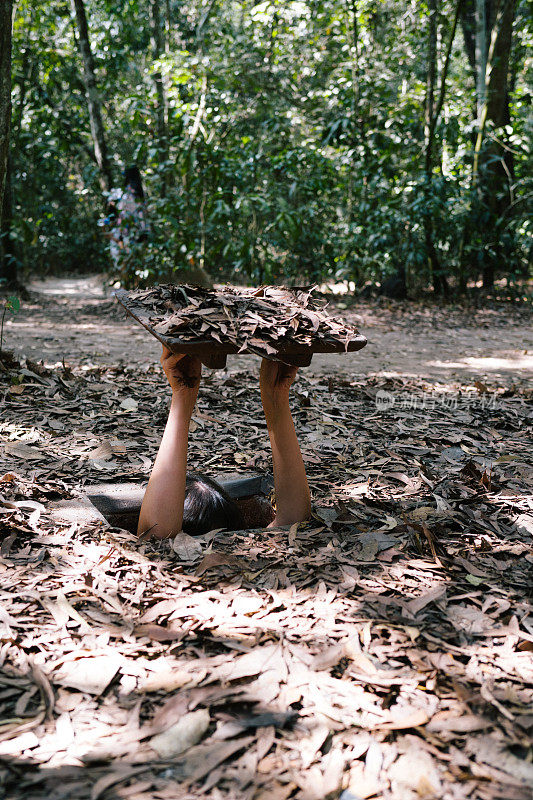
<point x="75" y="320"/>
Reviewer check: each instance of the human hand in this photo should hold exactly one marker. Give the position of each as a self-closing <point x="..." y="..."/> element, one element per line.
<point x="275" y="380"/>
<point x="183" y="373"/>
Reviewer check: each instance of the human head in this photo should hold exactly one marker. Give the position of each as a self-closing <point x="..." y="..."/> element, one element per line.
<point x="132" y="180"/>
<point x="208" y="507"/>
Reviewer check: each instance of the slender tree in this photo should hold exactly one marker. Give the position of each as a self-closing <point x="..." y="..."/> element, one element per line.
<point x="439" y="282"/>
<point x="481" y="45"/>
<point x="487" y="28"/>
<point x="6" y="24"/>
<point x="161" y="102"/>
<point x="8" y="263"/>
<point x="493" y="161"/>
<point x="8" y="270"/>
<point x="93" y="98"/>
<point x="432" y="113"/>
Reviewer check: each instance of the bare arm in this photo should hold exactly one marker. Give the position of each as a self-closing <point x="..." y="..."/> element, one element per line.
<point x="162" y="507"/>
<point x="293" y="500"/>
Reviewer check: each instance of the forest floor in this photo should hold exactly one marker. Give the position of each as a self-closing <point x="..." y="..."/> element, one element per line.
<point x="381" y="650"/>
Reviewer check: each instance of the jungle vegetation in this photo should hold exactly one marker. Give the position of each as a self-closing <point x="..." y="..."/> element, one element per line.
<point x="278" y="141"/>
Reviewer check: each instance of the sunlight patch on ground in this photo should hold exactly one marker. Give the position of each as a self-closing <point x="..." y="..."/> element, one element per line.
<point x="490" y="363"/>
<point x="70" y="287"/>
<point x="77" y="327"/>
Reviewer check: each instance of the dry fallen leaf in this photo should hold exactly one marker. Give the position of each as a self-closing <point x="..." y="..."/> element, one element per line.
<point x="21" y="450"/>
<point x="186" y="547"/>
<point x="91" y="674"/>
<point x="184" y="734"/>
<point x="129" y="404"/>
<point x="293" y="532"/>
<point x="158" y="633"/>
<point x="415" y="775"/>
<point x="170" y="680"/>
<point x="102" y="452"/>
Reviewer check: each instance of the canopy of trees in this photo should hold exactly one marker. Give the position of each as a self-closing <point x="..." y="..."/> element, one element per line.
<point x="343" y="139"/>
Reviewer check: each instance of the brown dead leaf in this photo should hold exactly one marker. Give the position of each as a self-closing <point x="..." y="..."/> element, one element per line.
<point x="216" y="559"/>
<point x="186" y="547"/>
<point x="415" y="775"/>
<point x="24" y="451"/>
<point x="416" y="605"/>
<point x="183" y="734"/>
<point x="202" y="759"/>
<point x="171" y="679"/>
<point x="103" y="452"/>
<point x="404" y="718"/>
<point x="158" y="633"/>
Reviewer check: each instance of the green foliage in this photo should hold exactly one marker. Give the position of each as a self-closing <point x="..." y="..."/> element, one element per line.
<point x="295" y="142"/>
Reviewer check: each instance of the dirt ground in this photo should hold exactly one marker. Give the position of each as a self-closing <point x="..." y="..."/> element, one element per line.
<point x="381" y="650"/>
<point x="455" y="344"/>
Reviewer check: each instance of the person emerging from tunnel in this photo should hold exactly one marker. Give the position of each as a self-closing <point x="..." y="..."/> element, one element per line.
<point x="175" y="501"/>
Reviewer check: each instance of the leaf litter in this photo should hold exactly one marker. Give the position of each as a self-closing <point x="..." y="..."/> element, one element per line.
<point x="383" y="649"/>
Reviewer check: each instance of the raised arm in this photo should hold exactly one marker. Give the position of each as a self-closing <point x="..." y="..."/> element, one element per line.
<point x="162" y="507"/>
<point x="293" y="501"/>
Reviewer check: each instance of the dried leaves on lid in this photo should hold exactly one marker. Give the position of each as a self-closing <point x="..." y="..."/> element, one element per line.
<point x="267" y="321"/>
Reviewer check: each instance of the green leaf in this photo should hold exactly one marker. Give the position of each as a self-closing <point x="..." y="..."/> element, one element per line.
<point x="475" y="580"/>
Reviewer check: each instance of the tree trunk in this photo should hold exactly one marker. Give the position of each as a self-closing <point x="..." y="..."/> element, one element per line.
<point x="492" y="172"/>
<point x="6" y="24"/>
<point x="493" y="162"/>
<point x="93" y="99"/>
<point x="8" y="257"/>
<point x="433" y="111"/>
<point x="22" y="85"/>
<point x="168" y="26"/>
<point x="161" y="106"/>
<point x="481" y="47"/>
<point x="429" y="136"/>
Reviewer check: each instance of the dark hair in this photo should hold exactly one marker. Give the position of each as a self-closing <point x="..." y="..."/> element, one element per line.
<point x="132" y="180"/>
<point x="111" y="210"/>
<point x="208" y="507"/>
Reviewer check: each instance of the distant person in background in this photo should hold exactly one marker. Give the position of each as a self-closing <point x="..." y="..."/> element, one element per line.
<point x="131" y="220"/>
<point x="125" y="222"/>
